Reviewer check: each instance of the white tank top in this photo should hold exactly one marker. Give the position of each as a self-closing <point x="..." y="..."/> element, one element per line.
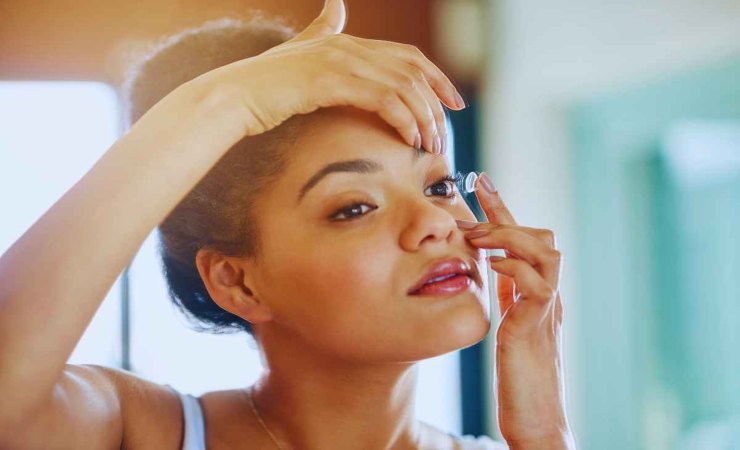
<point x="195" y="434"/>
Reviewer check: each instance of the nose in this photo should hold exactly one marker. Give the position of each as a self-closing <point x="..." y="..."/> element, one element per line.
<point x="426" y="224"/>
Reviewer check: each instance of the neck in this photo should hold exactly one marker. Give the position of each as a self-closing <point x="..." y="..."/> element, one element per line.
<point x="311" y="401"/>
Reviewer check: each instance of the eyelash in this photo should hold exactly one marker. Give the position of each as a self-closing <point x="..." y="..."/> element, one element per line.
<point x="456" y="179"/>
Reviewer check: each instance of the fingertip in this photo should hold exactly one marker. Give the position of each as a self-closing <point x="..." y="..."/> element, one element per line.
<point x="459" y="102"/>
<point x="466" y="224"/>
<point x="473" y="234"/>
<point x="417" y="141"/>
<point x="485" y="181"/>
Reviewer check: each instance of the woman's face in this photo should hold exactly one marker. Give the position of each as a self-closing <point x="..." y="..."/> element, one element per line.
<point x="337" y="276"/>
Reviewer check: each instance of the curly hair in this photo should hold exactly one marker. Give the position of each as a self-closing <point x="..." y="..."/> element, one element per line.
<point x="218" y="212"/>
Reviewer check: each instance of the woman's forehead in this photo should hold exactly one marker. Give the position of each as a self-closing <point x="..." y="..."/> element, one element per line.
<point x="353" y="131"/>
<point x="342" y="133"/>
<point x="351" y="128"/>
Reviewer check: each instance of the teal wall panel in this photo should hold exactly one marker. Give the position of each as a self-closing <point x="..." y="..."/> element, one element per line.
<point x="658" y="265"/>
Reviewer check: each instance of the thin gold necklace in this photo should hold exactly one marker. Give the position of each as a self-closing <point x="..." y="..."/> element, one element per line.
<point x="261" y="421"/>
<point x="272" y="436"/>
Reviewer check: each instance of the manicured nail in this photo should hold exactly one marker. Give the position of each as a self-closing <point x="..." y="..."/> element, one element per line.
<point x="417" y="141"/>
<point x="466" y="224"/>
<point x="476" y="233"/>
<point x="485" y="180"/>
<point x="459" y="100"/>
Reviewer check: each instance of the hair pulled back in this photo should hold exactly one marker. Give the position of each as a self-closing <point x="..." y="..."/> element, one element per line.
<point x="218" y="212"/>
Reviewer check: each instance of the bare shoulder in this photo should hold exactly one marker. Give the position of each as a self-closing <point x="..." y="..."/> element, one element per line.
<point x="151" y="413"/>
<point x="93" y="406"/>
<point x="230" y="422"/>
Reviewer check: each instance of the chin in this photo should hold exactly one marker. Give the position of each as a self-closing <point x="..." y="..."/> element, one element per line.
<point x="465" y="325"/>
<point x="467" y="331"/>
<point x="467" y="322"/>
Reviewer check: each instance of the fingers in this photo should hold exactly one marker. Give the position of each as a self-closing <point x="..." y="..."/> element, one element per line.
<point x="372" y="96"/>
<point x="419" y="83"/>
<point x="534" y="270"/>
<point x="505" y="293"/>
<point x="533" y="251"/>
<point x="412" y="86"/>
<point x="330" y="21"/>
<point x="491" y="202"/>
<point x="529" y="283"/>
<point x="545" y="235"/>
<point x="438" y="81"/>
<point x="440" y="124"/>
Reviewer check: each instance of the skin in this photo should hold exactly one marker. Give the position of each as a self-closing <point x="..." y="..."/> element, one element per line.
<point x="328" y="300"/>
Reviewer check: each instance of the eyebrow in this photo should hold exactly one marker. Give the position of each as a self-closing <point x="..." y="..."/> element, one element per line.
<point x="355" y="165"/>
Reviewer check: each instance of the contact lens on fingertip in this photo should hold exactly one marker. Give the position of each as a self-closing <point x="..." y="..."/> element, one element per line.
<point x="469" y="183"/>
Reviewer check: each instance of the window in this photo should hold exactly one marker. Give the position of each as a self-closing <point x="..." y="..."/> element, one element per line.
<point x="51" y="133"/>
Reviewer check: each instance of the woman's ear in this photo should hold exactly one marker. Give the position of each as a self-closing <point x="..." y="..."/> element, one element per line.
<point x="225" y="280"/>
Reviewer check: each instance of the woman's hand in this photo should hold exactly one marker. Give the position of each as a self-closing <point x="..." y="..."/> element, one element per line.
<point x="531" y="398"/>
<point x="320" y="67"/>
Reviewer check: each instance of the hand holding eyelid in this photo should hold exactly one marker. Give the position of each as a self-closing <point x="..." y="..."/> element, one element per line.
<point x="323" y="67"/>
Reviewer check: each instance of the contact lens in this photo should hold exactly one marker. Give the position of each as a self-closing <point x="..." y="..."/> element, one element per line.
<point x="469" y="182"/>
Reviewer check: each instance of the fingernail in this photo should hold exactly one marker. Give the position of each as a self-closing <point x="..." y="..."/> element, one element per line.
<point x="496" y="258"/>
<point x="437" y="144"/>
<point x="485" y="180"/>
<point x="476" y="233"/>
<point x="417" y="141"/>
<point x="466" y="224"/>
<point x="459" y="100"/>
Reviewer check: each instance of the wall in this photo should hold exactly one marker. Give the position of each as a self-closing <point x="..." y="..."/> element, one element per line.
<point x="549" y="55"/>
<point x="89" y="39"/>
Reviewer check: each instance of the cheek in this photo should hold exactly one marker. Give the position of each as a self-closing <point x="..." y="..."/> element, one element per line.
<point x="462" y="211"/>
<point x="325" y="288"/>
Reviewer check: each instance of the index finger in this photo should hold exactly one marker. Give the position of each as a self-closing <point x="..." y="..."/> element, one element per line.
<point x="497" y="213"/>
<point x="491" y="202"/>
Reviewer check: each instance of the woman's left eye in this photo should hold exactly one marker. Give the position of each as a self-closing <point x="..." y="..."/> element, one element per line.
<point x="450" y="183"/>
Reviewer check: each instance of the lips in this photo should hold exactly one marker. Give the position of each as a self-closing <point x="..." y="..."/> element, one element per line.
<point x="442" y="269"/>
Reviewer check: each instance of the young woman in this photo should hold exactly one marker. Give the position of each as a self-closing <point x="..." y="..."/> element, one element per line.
<point x="295" y="202"/>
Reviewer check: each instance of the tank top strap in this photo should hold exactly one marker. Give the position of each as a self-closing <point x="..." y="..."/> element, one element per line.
<point x="482" y="442"/>
<point x="194" y="425"/>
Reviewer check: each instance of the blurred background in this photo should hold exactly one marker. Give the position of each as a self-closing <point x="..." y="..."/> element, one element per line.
<point x="615" y="124"/>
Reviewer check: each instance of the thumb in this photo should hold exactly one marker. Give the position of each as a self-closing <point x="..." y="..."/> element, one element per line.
<point x="330" y="21"/>
<point x="505" y="291"/>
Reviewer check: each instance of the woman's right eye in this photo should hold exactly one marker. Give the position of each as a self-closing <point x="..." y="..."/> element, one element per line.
<point x="348" y="212"/>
